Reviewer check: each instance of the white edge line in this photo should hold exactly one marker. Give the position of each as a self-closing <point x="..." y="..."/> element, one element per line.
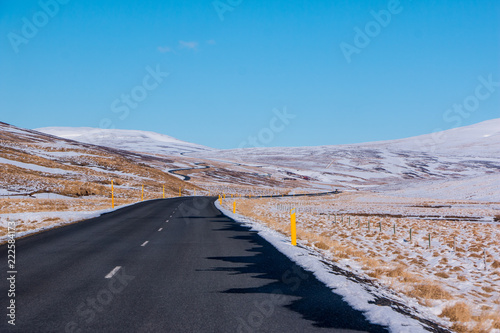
<point x="160" y="229"/>
<point x="144" y="244"/>
<point x="113" y="272"/>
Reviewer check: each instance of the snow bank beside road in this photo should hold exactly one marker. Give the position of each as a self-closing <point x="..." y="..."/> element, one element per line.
<point x="356" y="294"/>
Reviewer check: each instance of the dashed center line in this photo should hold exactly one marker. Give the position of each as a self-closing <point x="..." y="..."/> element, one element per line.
<point x="166" y="220"/>
<point x="160" y="229"/>
<point x="144" y="244"/>
<point x="113" y="272"/>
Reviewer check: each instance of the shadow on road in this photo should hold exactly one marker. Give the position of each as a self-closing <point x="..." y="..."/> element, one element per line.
<point x="280" y="277"/>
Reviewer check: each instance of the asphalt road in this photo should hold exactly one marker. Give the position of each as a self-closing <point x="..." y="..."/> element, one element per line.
<point x="172" y="265"/>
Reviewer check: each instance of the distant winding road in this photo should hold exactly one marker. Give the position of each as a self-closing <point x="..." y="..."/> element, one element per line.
<point x="184" y="177"/>
<point x="171" y="265"/>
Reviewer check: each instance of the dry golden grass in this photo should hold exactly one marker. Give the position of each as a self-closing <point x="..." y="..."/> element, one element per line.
<point x="429" y="290"/>
<point x="408" y="265"/>
<point x="89" y="169"/>
<point x="28" y="205"/>
<point x="457" y="312"/>
<point x="442" y="275"/>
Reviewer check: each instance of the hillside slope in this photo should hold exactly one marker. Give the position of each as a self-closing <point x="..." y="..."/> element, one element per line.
<point x="131" y="140"/>
<point x="33" y="162"/>
<point x="460" y="153"/>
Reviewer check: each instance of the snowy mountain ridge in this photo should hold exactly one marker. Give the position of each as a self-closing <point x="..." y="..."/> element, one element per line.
<point x="131" y="140"/>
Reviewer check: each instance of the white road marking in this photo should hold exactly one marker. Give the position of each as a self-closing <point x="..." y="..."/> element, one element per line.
<point x="144" y="244"/>
<point x="160" y="229"/>
<point x="113" y="272"/>
<point x="166" y="220"/>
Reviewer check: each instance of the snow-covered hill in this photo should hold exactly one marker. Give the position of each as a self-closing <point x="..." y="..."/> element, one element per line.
<point x="423" y="164"/>
<point x="33" y="162"/>
<point x="460" y="153"/>
<point x="481" y="139"/>
<point x="131" y="140"/>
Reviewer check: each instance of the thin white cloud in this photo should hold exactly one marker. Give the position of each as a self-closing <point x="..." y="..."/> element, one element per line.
<point x="164" y="49"/>
<point x="211" y="42"/>
<point x="188" y="45"/>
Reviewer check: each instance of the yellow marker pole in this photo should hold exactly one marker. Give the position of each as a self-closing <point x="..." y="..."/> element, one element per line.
<point x="220" y="199"/>
<point x="180" y="194"/>
<point x="112" y="196"/>
<point x="142" y="193"/>
<point x="234" y="206"/>
<point x="163" y="192"/>
<point x="293" y="225"/>
<point x="224" y="195"/>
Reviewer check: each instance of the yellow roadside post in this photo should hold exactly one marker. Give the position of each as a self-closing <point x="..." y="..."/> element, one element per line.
<point x="293" y="224"/>
<point x="220" y="199"/>
<point x="163" y="195"/>
<point x="142" y="193"/>
<point x="234" y="206"/>
<point x="224" y="195"/>
<point x="180" y="194"/>
<point x="112" y="196"/>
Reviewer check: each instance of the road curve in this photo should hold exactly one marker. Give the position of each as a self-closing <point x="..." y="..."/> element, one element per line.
<point x="171" y="265"/>
<point x="184" y="177"/>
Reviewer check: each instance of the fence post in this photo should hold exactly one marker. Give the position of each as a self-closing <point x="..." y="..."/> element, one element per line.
<point x="293" y="225"/>
<point x="112" y="195"/>
<point x="485" y="268"/>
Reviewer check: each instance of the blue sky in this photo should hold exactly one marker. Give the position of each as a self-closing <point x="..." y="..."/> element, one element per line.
<point x="347" y="71"/>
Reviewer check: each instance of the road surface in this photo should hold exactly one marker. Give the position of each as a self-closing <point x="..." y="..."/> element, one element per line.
<point x="171" y="265"/>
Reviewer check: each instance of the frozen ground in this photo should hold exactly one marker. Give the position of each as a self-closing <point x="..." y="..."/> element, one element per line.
<point x="461" y="153"/>
<point x="481" y="188"/>
<point x="453" y="254"/>
<point x="359" y="295"/>
<point x="32" y="222"/>
<point x="131" y="140"/>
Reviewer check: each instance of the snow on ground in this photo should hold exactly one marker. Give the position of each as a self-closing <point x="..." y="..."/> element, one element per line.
<point x="131" y="140"/>
<point x="34" y="222"/>
<point x="481" y="188"/>
<point x="35" y="167"/>
<point x="52" y="196"/>
<point x="44" y="220"/>
<point x="466" y="152"/>
<point x="369" y="234"/>
<point x="357" y="295"/>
